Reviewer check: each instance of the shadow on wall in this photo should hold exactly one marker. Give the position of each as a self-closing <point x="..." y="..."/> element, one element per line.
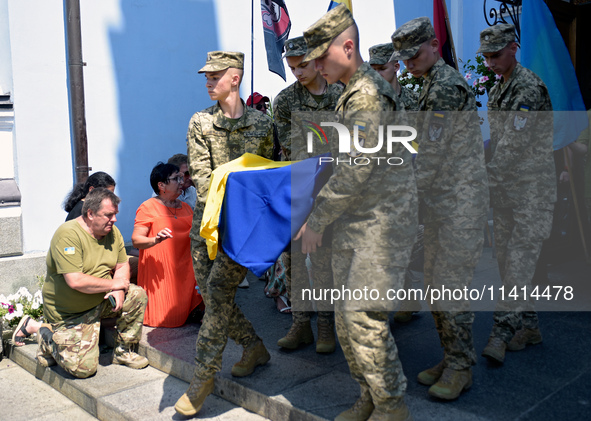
<point x="156" y="58"/>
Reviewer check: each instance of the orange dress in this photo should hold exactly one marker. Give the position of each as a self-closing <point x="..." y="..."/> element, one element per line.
<point x="165" y="270"/>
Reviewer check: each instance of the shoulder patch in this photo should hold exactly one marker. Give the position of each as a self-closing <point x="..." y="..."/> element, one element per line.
<point x="70" y="250"/>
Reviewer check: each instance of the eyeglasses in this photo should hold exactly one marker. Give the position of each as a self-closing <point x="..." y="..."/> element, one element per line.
<point x="180" y="179"/>
<point x="261" y="107"/>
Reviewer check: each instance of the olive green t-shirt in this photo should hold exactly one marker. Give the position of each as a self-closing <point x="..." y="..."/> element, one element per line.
<point x="74" y="250"/>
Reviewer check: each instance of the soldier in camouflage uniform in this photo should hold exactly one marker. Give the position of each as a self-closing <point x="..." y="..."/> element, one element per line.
<point x="86" y="264"/>
<point x="374" y="210"/>
<point x="308" y="94"/>
<point x="452" y="185"/>
<point x="522" y="184"/>
<point x="379" y="59"/>
<point x="217" y="135"/>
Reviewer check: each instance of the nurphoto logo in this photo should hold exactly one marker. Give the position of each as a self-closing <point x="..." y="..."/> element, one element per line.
<point x="354" y="145"/>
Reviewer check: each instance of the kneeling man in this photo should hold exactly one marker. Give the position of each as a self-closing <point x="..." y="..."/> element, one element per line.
<point x="86" y="265"/>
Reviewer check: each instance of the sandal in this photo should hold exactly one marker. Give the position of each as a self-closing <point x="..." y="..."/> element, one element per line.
<point x="21" y="327"/>
<point x="283" y="304"/>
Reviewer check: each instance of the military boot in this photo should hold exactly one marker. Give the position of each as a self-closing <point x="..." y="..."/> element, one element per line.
<point x="400" y="413"/>
<point x="430" y="376"/>
<point x="299" y="333"/>
<point x="44" y="337"/>
<point x="524" y="337"/>
<point x="451" y="383"/>
<point x="124" y="355"/>
<point x="360" y="411"/>
<point x="495" y="350"/>
<point x="192" y="400"/>
<point x="252" y="357"/>
<point x="326" y="342"/>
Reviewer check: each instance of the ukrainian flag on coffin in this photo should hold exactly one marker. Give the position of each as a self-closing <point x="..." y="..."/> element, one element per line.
<point x="262" y="210"/>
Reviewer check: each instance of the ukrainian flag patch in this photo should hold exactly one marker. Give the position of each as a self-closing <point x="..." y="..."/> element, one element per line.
<point x="70" y="250"/>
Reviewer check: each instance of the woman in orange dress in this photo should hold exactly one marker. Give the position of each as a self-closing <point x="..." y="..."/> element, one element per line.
<point x="161" y="233"/>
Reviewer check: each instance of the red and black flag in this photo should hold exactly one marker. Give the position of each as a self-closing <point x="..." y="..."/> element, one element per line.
<point x="276" y="26"/>
<point x="443" y="33"/>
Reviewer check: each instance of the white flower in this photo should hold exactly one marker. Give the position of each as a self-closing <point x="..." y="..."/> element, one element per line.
<point x="12" y="297"/>
<point x="3" y="299"/>
<point x="10" y="316"/>
<point x="416" y="88"/>
<point x="24" y="293"/>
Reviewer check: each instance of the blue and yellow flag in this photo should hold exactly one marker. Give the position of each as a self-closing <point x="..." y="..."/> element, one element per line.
<point x="256" y="206"/>
<point x="335" y="3"/>
<point x="543" y="51"/>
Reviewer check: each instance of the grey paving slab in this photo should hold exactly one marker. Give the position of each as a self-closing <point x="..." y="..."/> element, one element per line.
<point x="23" y="397"/>
<point x="158" y="401"/>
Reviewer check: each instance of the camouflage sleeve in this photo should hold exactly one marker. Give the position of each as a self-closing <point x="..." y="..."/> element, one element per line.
<point x="345" y="186"/>
<point x="519" y="125"/>
<point x="199" y="156"/>
<point x="283" y="123"/>
<point x="265" y="148"/>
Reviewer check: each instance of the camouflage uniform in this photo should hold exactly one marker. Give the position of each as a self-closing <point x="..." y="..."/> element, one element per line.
<point x="521" y="178"/>
<point x="75" y="341"/>
<point x="292" y="99"/>
<point x="373" y="208"/>
<point x="381" y="54"/>
<point x="213" y="140"/>
<point x="451" y="180"/>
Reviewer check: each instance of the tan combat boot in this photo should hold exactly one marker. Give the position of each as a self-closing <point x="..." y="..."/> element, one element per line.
<point x="400" y="413"/>
<point x="451" y="384"/>
<point x="299" y="333"/>
<point x="430" y="376"/>
<point x="192" y="400"/>
<point x="252" y="357"/>
<point x="524" y="337"/>
<point x="124" y="355"/>
<point x="495" y="350"/>
<point x="326" y="342"/>
<point x="360" y="411"/>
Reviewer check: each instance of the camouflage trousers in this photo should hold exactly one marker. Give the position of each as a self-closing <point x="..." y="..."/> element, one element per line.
<point x="365" y="337"/>
<point x="452" y="249"/>
<point x="223" y="319"/>
<point x="319" y="278"/>
<point x="519" y="233"/>
<point x="75" y="342"/>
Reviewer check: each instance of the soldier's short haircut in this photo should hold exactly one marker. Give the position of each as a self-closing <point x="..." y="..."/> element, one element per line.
<point x="94" y="200"/>
<point x="178" y="159"/>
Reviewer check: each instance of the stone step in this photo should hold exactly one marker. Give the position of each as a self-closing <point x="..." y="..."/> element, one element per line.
<point x="120" y="393"/>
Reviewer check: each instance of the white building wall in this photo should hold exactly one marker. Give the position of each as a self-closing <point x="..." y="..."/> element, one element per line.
<point x="41" y="123"/>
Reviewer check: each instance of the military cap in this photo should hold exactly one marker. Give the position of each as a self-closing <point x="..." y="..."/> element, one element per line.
<point x="221" y="60"/>
<point x="381" y="53"/>
<point x="496" y="38"/>
<point x="320" y="35"/>
<point x="409" y="37"/>
<point x="295" y="47"/>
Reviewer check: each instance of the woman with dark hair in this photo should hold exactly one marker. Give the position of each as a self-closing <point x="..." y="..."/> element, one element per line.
<point x="75" y="200"/>
<point x="161" y="233"/>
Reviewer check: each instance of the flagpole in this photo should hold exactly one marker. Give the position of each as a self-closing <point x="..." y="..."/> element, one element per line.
<point x="252" y="49"/>
<point x="451" y="37"/>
